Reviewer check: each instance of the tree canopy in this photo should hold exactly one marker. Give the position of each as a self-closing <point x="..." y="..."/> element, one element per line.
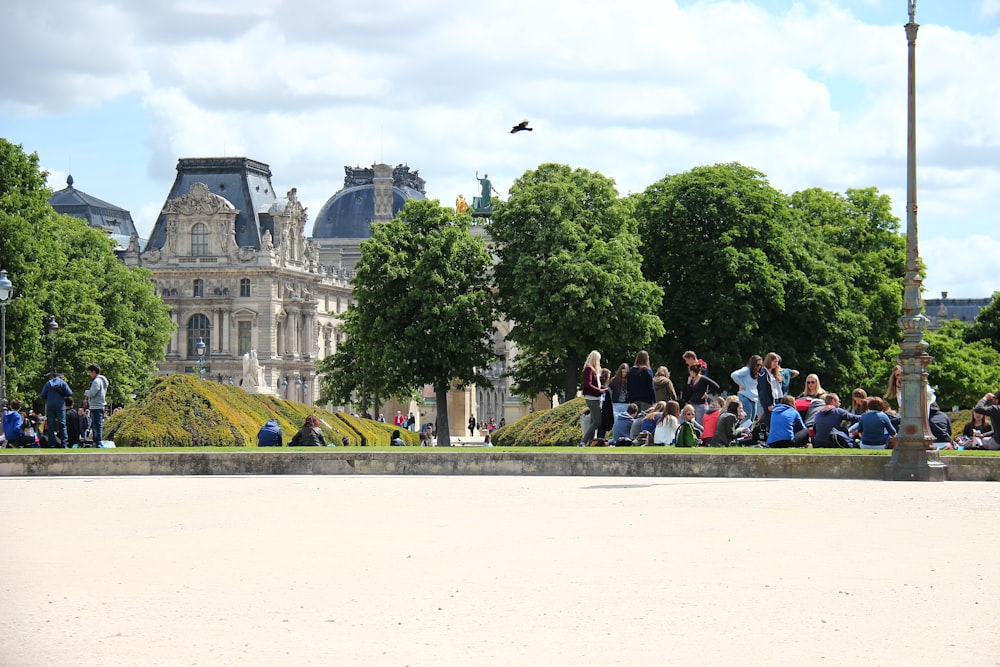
<point x="987" y="324"/>
<point x="107" y="313"/>
<point x="569" y="273"/>
<point x="745" y="269"/>
<point x="423" y="312"/>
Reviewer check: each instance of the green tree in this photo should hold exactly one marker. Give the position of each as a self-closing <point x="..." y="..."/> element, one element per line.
<point x="716" y="240"/>
<point x="423" y="301"/>
<point x="987" y="324"/>
<point x="359" y="372"/>
<point x="569" y="272"/>
<point x="107" y="313"/>
<point x="961" y="372"/>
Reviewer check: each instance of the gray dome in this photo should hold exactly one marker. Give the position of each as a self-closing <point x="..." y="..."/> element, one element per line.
<point x="349" y="213"/>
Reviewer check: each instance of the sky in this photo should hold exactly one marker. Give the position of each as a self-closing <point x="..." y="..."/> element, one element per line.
<point x="810" y="93"/>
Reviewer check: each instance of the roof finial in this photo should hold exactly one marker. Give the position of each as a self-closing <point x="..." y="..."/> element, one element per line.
<point x="69" y="180"/>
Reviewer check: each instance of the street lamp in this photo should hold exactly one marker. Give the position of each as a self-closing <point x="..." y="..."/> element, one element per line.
<point x="52" y="326"/>
<point x="911" y="459"/>
<point x="6" y="292"/>
<point x="200" y="349"/>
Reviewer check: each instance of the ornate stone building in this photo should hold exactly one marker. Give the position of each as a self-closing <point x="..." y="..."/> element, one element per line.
<point x="233" y="262"/>
<point x="241" y="275"/>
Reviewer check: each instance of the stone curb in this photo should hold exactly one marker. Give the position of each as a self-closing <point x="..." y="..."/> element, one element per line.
<point x="444" y="462"/>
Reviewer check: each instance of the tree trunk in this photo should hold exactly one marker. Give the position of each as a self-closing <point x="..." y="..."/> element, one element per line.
<point x="571" y="364"/>
<point x="441" y="427"/>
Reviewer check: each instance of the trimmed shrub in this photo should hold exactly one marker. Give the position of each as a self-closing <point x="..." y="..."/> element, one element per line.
<point x="183" y="411"/>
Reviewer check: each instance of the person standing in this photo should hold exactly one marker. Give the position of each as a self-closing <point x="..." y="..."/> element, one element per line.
<point x="695" y="392"/>
<point x="769" y="387"/>
<point x="746" y="379"/>
<point x="592" y="393"/>
<point x="54" y="393"/>
<point x="640" y="382"/>
<point x="97" y="400"/>
<point x="472" y="426"/>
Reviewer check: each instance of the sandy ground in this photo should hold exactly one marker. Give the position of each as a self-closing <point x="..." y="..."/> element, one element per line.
<point x="477" y="571"/>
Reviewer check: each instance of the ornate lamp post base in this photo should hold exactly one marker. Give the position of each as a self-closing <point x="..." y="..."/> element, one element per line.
<point x="915" y="465"/>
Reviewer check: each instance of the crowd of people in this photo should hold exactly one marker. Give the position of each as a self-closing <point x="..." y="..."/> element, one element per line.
<point x="637" y="406"/>
<point x="62" y="424"/>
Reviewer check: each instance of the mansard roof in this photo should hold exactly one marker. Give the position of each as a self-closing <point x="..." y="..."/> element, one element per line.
<point x="97" y="212"/>
<point x="243" y="182"/>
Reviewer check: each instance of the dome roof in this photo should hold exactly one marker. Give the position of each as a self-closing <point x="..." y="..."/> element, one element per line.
<point x="349" y="213"/>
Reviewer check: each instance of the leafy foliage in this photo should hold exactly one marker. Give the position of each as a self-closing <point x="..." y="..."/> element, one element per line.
<point x="423" y="311"/>
<point x="183" y="411"/>
<point x="107" y="313"/>
<point x="987" y="324"/>
<point x="816" y="277"/>
<point x="569" y="272"/>
<point x="961" y="372"/>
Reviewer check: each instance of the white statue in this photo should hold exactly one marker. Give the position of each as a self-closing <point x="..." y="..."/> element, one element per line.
<point x="251" y="370"/>
<point x="268" y="242"/>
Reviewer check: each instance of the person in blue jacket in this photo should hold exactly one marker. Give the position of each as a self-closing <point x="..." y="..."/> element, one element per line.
<point x="55" y="392"/>
<point x="787" y="428"/>
<point x="270" y="434"/>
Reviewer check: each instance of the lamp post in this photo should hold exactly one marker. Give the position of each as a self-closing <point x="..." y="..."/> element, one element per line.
<point x="52" y="327"/>
<point x="911" y="459"/>
<point x="6" y="292"/>
<point x="200" y="348"/>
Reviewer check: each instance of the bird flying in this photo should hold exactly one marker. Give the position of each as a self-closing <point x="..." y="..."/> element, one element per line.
<point x="523" y="125"/>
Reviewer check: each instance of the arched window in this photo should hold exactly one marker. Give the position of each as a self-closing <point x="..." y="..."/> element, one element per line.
<point x="198" y="328"/>
<point x="199" y="287"/>
<point x="244" y="287"/>
<point x="199" y="240"/>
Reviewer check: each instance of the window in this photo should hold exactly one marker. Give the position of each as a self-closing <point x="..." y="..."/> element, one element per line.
<point x="244" y="287"/>
<point x="199" y="240"/>
<point x="244" y="336"/>
<point x="198" y="328"/>
<point x="199" y="287"/>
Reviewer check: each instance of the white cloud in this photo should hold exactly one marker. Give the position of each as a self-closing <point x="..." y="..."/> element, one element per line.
<point x="812" y="94"/>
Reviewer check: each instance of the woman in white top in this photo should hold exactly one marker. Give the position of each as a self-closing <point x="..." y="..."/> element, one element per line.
<point x="666" y="426"/>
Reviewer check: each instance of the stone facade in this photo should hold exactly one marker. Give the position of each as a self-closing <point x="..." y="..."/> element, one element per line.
<point x="266" y="312"/>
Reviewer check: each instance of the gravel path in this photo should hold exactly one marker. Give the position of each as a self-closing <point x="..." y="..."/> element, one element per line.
<point x="478" y="571"/>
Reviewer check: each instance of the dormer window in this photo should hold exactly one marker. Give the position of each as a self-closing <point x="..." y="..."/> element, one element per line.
<point x="199" y="240"/>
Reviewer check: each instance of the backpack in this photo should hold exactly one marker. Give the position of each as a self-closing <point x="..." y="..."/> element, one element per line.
<point x="686" y="437"/>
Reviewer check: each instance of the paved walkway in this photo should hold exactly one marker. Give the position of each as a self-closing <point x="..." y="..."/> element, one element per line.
<point x="339" y="570"/>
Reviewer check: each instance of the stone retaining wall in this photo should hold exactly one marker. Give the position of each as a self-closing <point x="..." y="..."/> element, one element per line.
<point x="445" y="462"/>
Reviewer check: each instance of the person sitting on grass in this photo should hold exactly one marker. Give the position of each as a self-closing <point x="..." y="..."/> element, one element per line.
<point x="397" y="441"/>
<point x="728" y="432"/>
<point x="787" y="428"/>
<point x="309" y="435"/>
<point x="874" y="425"/>
<point x="827" y="425"/>
<point x="667" y="422"/>
<point x="269" y="434"/>
<point x="940" y="426"/>
<point x="988" y="407"/>
<point x="14" y="427"/>
<point x="623" y="425"/>
<point x="689" y="432"/>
